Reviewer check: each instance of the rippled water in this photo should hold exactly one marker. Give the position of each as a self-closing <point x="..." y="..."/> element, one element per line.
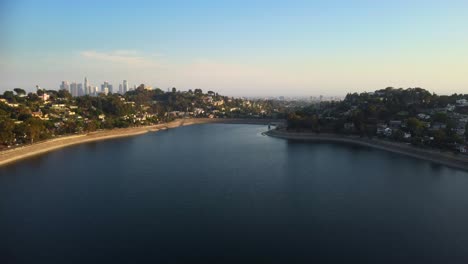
<point x="226" y="193"/>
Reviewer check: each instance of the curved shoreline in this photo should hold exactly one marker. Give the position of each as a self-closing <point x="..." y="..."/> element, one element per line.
<point x="447" y="159"/>
<point x="24" y="152"/>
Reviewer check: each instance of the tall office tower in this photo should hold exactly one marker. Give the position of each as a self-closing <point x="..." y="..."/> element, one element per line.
<point x="121" y="89"/>
<point x="106" y="90"/>
<point x="74" y="89"/>
<point x="86" y="85"/>
<point x="108" y="86"/>
<point x="125" y="86"/>
<point x="80" y="89"/>
<point x="104" y="85"/>
<point x="65" y="86"/>
<point x="96" y="90"/>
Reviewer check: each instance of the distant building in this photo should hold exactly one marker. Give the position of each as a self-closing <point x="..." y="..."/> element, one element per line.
<point x="74" y="89"/>
<point x="125" y="86"/>
<point x="80" y="89"/>
<point x="86" y="86"/>
<point x="121" y="89"/>
<point x="108" y="86"/>
<point x="65" y="86"/>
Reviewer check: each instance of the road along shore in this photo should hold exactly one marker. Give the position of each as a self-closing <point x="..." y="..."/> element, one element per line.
<point x="445" y="158"/>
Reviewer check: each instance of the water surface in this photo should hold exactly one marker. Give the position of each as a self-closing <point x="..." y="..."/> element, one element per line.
<point x="226" y="193"/>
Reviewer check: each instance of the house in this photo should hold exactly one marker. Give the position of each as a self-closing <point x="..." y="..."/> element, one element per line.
<point x="438" y="126"/>
<point x="198" y="111"/>
<point x="348" y="126"/>
<point x="208" y="99"/>
<point x="218" y="103"/>
<point x="462" y="102"/>
<point x="423" y="116"/>
<point x="463" y="149"/>
<point x="45" y="97"/>
<point x="450" y="108"/>
<point x="37" y="114"/>
<point x="381" y="129"/>
<point x="58" y="106"/>
<point x="395" y="124"/>
<point x="387" y="132"/>
<point x="460" y="131"/>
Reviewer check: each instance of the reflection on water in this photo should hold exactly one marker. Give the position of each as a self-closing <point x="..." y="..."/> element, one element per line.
<point x="212" y="193"/>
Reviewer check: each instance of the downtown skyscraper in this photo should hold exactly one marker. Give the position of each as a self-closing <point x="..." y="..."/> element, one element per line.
<point x="86" y="86"/>
<point x="65" y="86"/>
<point x="125" y="86"/>
<point x="74" y="89"/>
<point x="106" y="88"/>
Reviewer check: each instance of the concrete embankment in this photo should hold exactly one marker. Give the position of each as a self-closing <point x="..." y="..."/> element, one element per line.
<point x="445" y="158"/>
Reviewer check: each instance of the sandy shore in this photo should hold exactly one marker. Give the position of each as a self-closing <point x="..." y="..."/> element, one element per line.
<point x="12" y="155"/>
<point x="444" y="158"/>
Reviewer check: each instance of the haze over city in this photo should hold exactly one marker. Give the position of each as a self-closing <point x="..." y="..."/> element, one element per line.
<point x="240" y="48"/>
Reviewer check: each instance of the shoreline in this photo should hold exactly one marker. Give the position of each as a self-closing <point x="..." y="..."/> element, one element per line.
<point x="16" y="154"/>
<point x="443" y="158"/>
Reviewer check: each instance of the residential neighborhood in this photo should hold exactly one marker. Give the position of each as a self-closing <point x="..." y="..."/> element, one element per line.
<point x="414" y="116"/>
<point x="29" y="117"/>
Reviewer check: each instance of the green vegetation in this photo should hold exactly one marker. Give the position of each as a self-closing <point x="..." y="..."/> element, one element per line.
<point x="407" y="115"/>
<point x="28" y="118"/>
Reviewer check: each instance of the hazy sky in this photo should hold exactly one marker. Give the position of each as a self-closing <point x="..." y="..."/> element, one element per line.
<point x="237" y="47"/>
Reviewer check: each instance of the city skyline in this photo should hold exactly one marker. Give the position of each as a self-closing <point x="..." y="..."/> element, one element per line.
<point x="246" y="48"/>
<point x="87" y="88"/>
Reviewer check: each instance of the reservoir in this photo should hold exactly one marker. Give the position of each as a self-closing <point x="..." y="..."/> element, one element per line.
<point x="226" y="193"/>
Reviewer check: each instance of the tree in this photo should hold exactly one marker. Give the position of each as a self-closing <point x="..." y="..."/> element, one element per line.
<point x="440" y="138"/>
<point x="65" y="94"/>
<point x="91" y="126"/>
<point x="440" y="117"/>
<point x="19" y="91"/>
<point x="466" y="131"/>
<point x="7" y="126"/>
<point x="33" y="129"/>
<point x="10" y="96"/>
<point x="415" y="126"/>
<point x="141" y="87"/>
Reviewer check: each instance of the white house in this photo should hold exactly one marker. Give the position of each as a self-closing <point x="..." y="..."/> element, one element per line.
<point x="462" y="102"/>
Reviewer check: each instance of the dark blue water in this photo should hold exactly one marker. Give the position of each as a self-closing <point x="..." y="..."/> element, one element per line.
<point x="226" y="193"/>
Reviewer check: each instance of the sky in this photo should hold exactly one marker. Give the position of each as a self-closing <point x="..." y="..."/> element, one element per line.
<point x="238" y="48"/>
